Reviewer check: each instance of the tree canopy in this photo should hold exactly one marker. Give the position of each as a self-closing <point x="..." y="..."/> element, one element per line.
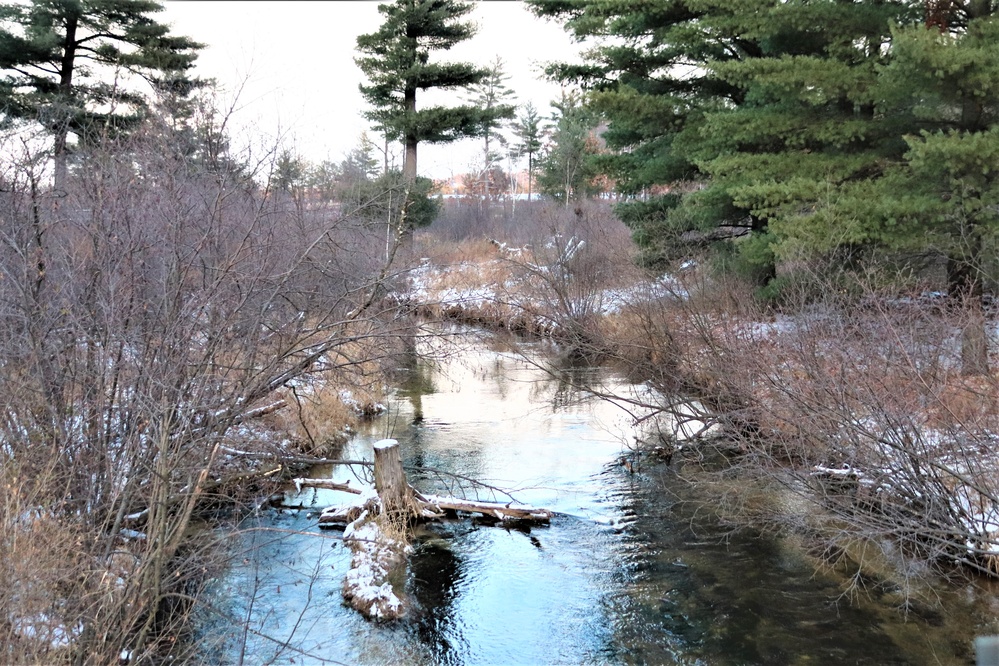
<point x="396" y="60"/>
<point x="706" y="101"/>
<point x="802" y="133"/>
<point x="63" y="60"/>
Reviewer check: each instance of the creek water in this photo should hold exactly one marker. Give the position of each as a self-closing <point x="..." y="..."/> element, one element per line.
<point x="634" y="569"/>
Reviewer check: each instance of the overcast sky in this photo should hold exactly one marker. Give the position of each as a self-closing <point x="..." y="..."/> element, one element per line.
<point x="292" y="64"/>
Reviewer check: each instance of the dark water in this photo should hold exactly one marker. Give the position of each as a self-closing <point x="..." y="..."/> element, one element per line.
<point x="634" y="569"/>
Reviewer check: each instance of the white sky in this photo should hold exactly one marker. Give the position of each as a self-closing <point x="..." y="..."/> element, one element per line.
<point x="294" y="63"/>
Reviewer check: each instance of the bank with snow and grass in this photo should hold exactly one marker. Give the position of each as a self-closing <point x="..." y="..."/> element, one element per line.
<point x="864" y="405"/>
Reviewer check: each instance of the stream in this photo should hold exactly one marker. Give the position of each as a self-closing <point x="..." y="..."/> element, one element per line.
<point x="634" y="569"/>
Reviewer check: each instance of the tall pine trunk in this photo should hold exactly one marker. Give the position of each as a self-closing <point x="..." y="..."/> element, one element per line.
<point x="62" y="116"/>
<point x="409" y="163"/>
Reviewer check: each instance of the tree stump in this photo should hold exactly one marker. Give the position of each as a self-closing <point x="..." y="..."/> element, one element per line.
<point x="398" y="503"/>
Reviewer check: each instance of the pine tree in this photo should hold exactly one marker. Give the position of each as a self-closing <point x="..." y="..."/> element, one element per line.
<point x="397" y="63"/>
<point x="567" y="174"/>
<point x="359" y="164"/>
<point x="807" y="126"/>
<point x="350" y="178"/>
<point x="62" y="60"/>
<point x="490" y="95"/>
<point x="696" y="92"/>
<point x="289" y="173"/>
<point x="827" y="129"/>
<point x="882" y="140"/>
<point x="939" y="193"/>
<point x="937" y="190"/>
<point x="529" y="133"/>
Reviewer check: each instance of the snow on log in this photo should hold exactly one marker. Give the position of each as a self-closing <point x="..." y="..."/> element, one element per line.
<point x="378" y="524"/>
<point x="842" y="480"/>
<point x="343" y="514"/>
<point x="433" y="508"/>
<point x="325" y="484"/>
<point x="842" y="473"/>
<point x="504" y="512"/>
<point x="376" y="554"/>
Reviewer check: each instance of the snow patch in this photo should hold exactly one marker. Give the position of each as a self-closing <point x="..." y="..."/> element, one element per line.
<point x="384" y="444"/>
<point x="375" y="556"/>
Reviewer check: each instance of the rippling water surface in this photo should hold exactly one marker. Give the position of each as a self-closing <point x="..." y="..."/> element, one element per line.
<point x="626" y="573"/>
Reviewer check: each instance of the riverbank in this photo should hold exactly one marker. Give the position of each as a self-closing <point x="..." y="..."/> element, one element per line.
<point x="858" y="402"/>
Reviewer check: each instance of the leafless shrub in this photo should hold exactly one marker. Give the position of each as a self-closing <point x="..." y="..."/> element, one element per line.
<point x="471" y="218"/>
<point x="569" y="271"/>
<point x="148" y="319"/>
<point x="855" y="401"/>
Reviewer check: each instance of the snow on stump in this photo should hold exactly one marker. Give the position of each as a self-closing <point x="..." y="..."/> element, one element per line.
<point x="378" y="539"/>
<point x="378" y="532"/>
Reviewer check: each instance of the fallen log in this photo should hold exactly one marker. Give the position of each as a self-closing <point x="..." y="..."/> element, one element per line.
<point x="376" y="553"/>
<point x="403" y="503"/>
<point x="377" y="528"/>
<point x="432" y="507"/>
<point x="498" y="510"/>
<point x="343" y="514"/>
<point x="324" y="484"/>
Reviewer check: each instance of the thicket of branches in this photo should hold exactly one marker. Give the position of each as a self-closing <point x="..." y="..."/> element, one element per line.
<point x="853" y="394"/>
<point x="147" y="316"/>
<point x="855" y="402"/>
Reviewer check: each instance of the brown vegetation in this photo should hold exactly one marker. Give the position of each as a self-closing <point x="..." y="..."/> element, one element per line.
<point x="164" y="321"/>
<point x="855" y="399"/>
<point x="856" y="403"/>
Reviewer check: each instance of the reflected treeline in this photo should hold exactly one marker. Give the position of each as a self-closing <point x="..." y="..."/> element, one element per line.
<point x="416" y="376"/>
<point x="429" y="467"/>
<point x="568" y="385"/>
<point x="722" y="595"/>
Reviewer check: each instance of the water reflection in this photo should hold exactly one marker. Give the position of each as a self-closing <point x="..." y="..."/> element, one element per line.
<point x="692" y="590"/>
<point x="436" y="574"/>
<point x="418" y="380"/>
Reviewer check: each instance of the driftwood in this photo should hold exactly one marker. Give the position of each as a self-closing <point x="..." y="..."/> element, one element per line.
<point x="397" y="499"/>
<point x="431" y="507"/>
<point x="434" y="508"/>
<point x="497" y="510"/>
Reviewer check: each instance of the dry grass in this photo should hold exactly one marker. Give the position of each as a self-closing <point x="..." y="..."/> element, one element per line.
<point x="451" y="253"/>
<point x="317" y="421"/>
<point x="320" y="417"/>
<point x="964" y="400"/>
<point x="42" y="561"/>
